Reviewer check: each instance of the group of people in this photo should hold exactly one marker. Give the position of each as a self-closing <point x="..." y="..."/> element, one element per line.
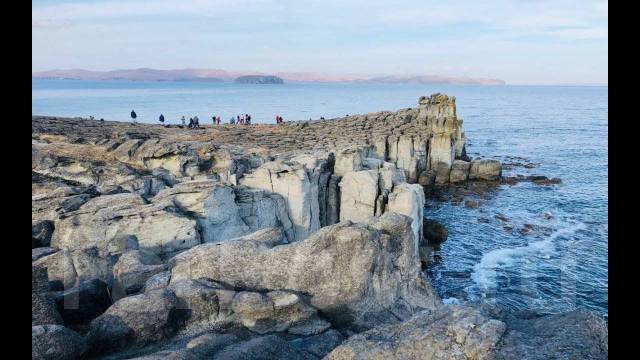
<point x="194" y="122"/>
<point x="241" y="120"/>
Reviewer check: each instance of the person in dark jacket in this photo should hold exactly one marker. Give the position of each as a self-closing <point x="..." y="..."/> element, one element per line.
<point x="161" y="118"/>
<point x="134" y="115"/>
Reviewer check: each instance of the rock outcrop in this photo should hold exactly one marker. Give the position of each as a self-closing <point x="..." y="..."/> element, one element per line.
<point x="260" y="242"/>
<point x="358" y="275"/>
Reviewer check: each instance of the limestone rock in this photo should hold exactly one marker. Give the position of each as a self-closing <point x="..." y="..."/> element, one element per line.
<point x="197" y="300"/>
<point x="408" y="199"/>
<point x="56" y="342"/>
<point x="277" y="311"/>
<point x="459" y="171"/>
<point x="356" y="274"/>
<point x="358" y="193"/>
<point x="348" y="160"/>
<point x="161" y="229"/>
<point x="134" y="268"/>
<point x="297" y="183"/>
<point x="485" y="170"/>
<point x="263" y="348"/>
<point x="137" y="319"/>
<point x="446" y="333"/>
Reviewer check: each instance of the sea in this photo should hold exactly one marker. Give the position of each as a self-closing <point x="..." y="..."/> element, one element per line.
<point x="525" y="247"/>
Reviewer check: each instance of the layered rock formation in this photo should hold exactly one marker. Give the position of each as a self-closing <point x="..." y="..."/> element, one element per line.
<point x="250" y="241"/>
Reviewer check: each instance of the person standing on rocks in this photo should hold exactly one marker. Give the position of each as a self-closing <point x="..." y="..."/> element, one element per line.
<point x="218" y="120"/>
<point x="183" y="121"/>
<point x="161" y="119"/>
<point x="196" y="122"/>
<point x="213" y="119"/>
<point x="134" y="116"/>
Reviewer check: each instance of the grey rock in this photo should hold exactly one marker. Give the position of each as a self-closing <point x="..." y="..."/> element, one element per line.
<point x="197" y="300"/>
<point x="352" y="288"/>
<point x="134" y="268"/>
<point x="447" y="333"/>
<point x="268" y="347"/>
<point x="40" y="252"/>
<point x="43" y="307"/>
<point x="319" y="345"/>
<point x="83" y="303"/>
<point x="55" y="342"/>
<point x="158" y="281"/>
<point x="41" y="231"/>
<point x="485" y="170"/>
<point x="138" y="319"/>
<point x="578" y="334"/>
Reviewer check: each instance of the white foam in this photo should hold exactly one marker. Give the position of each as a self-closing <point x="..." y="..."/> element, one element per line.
<point x="484" y="272"/>
<point x="451" y="301"/>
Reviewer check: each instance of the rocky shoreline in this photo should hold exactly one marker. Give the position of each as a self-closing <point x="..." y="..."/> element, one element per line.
<point x="303" y="240"/>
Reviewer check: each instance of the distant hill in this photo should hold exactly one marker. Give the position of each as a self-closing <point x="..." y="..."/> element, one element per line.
<point x="252" y="77"/>
<point x="434" y="79"/>
<point x="258" y="79"/>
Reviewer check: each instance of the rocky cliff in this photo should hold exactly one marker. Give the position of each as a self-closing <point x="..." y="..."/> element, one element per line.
<point x="260" y="241"/>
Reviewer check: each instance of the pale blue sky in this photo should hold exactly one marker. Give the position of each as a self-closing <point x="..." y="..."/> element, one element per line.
<point x="521" y="42"/>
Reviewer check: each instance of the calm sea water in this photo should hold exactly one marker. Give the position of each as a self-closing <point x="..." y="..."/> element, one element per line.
<point x="560" y="265"/>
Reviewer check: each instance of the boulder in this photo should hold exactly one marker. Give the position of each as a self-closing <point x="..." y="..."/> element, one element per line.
<point x="355" y="274"/>
<point x="138" y="319"/>
<point x="459" y="171"/>
<point x="197" y="300"/>
<point x="348" y="160"/>
<point x="434" y="232"/>
<point x="578" y="334"/>
<point x="485" y="170"/>
<point x="41" y="252"/>
<point x="71" y="268"/>
<point x="41" y="231"/>
<point x="56" y="342"/>
<point x="43" y="307"/>
<point x="267" y="347"/>
<point x="277" y="311"/>
<point x="134" y="268"/>
<point x="446" y="333"/>
<point x="83" y="303"/>
<point x="158" y="281"/>
<point x="319" y="345"/>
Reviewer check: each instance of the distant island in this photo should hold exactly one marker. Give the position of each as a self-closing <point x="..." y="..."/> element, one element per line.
<point x="253" y="77"/>
<point x="258" y="79"/>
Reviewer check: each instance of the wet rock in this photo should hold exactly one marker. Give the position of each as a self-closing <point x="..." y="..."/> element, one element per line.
<point x="56" y="342"/>
<point x="459" y="171"/>
<point x="485" y="170"/>
<point x="579" y="334"/>
<point x="434" y="232"/>
<point x="470" y="204"/>
<point x="543" y="180"/>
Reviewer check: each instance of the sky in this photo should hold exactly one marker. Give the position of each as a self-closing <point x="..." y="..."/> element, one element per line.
<point x="522" y="42"/>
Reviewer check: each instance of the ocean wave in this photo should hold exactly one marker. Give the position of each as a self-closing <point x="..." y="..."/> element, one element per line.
<point x="484" y="272"/>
